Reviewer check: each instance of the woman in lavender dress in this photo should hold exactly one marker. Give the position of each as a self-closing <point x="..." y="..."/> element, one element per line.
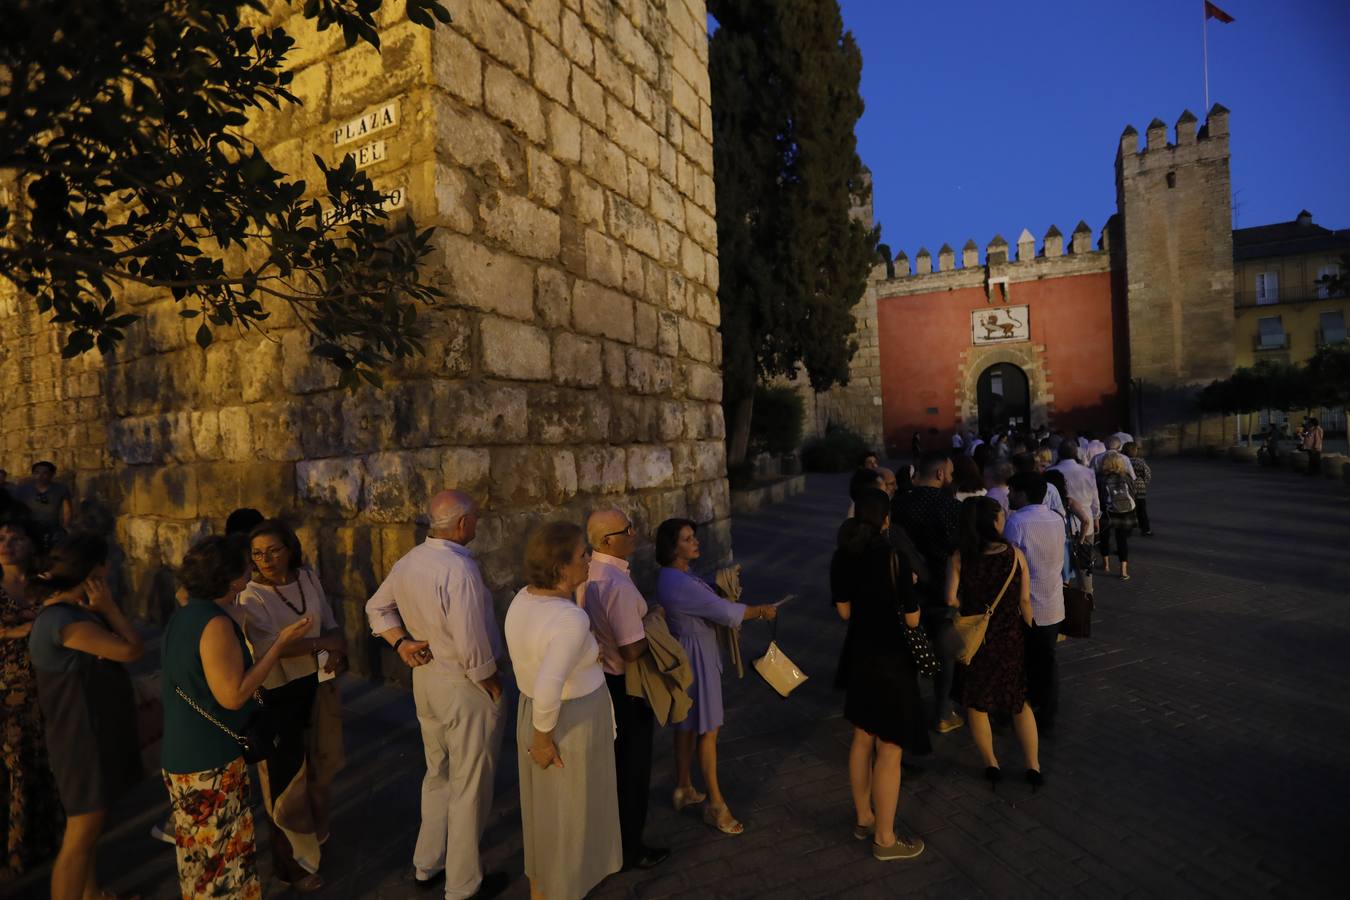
<point x="692" y="610"/>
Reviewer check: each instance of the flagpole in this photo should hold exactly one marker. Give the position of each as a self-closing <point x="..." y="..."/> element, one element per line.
<point x="1204" y="25"/>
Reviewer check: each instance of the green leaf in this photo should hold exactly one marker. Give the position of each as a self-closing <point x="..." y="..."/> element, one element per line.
<point x="204" y="336"/>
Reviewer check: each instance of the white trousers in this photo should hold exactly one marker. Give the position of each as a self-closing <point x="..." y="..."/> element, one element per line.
<point x="461" y="735"/>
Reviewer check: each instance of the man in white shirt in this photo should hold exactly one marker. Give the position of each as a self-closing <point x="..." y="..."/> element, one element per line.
<point x="1039" y="533"/>
<point x="436" y="593"/>
<point x="1124" y="437"/>
<point x="1082" y="484"/>
<point x="616" y="608"/>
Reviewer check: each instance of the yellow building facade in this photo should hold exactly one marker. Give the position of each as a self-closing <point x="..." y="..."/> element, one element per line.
<point x="1282" y="312"/>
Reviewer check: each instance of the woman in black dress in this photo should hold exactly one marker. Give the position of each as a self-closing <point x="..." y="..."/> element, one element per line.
<point x="995" y="682"/>
<point x="78" y="643"/>
<point x="873" y="590"/>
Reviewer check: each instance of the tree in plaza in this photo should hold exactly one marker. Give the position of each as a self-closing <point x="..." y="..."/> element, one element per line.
<point x="792" y="260"/>
<point x="123" y="161"/>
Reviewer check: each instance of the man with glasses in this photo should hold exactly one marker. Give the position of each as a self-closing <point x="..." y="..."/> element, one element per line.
<point x="616" y="608"/>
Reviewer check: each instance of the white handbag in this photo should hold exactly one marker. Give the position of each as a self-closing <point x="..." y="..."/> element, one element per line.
<point x="780" y="672"/>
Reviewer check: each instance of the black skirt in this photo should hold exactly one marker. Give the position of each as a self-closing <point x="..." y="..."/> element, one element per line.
<point x="90" y="719"/>
<point x="882" y="698"/>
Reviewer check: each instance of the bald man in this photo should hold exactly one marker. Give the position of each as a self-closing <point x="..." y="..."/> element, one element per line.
<point x="616" y="608"/>
<point x="435" y="611"/>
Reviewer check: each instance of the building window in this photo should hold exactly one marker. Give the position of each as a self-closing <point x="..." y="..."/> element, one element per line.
<point x="1270" y="334"/>
<point x="1171" y="179"/>
<point x="1331" y="271"/>
<point x="1267" y="288"/>
<point x="1331" y="327"/>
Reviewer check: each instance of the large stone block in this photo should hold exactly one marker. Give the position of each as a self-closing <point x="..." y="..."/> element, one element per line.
<point x="553" y="298"/>
<point x="649" y="467"/>
<point x="530" y="476"/>
<point x="523" y="226"/>
<point x="399" y="483"/>
<point x="602" y="470"/>
<point x="514" y="350"/>
<point x="633" y="226"/>
<point x="598" y="310"/>
<point x="275" y="430"/>
<point x="476" y="143"/>
<point x="236" y="433"/>
<point x="562" y="416"/>
<point x="336" y="484"/>
<point x="473" y="412"/>
<point x="515" y="102"/>
<point x="457" y="65"/>
<point x="492" y="27"/>
<point x="649" y="373"/>
<point x="577" y="361"/>
<point x="702" y="382"/>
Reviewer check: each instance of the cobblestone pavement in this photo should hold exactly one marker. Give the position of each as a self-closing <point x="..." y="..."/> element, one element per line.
<point x="1197" y="752"/>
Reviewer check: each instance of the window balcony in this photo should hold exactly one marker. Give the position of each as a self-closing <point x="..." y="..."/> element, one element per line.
<point x="1270" y="342"/>
<point x="1325" y="338"/>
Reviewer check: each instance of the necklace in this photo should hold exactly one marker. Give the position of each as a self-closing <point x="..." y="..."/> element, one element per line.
<point x="304" y="603"/>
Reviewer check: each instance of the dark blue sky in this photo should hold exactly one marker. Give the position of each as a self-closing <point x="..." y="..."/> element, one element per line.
<point x="986" y="117"/>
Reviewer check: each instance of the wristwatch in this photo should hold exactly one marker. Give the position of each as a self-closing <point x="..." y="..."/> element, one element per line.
<point x="400" y="641"/>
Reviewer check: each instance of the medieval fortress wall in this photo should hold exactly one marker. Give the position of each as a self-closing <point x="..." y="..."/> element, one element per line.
<point x="563" y="149"/>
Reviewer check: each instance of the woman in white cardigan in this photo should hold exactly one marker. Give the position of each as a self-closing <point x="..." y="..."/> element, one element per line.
<point x="564" y="725"/>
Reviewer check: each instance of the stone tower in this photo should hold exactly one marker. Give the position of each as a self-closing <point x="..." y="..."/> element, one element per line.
<point x="1176" y="224"/>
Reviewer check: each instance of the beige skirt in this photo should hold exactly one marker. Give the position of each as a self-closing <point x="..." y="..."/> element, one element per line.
<point x="570" y="815"/>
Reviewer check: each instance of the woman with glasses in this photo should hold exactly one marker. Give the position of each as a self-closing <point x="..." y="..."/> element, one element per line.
<point x="283" y="591"/>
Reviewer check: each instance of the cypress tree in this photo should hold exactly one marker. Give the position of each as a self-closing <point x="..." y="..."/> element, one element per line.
<point x="793" y="262"/>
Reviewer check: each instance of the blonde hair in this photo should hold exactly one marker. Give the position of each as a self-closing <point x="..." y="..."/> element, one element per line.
<point x="1114" y="463"/>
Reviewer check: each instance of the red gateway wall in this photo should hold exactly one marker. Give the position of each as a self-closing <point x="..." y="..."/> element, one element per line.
<point x="922" y="337"/>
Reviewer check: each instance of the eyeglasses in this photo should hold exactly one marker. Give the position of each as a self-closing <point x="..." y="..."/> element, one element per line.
<point x="628" y="530"/>
<point x="269" y="554"/>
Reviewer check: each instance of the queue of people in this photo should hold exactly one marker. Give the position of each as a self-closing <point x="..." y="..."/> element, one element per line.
<point x="250" y="654"/>
<point x="992" y="530"/>
<point x="583" y="643"/>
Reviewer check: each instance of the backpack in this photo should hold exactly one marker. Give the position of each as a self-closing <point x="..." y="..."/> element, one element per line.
<point x="1119" y="500"/>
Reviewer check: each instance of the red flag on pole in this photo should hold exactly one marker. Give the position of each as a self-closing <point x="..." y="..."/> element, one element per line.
<point x="1213" y="12"/>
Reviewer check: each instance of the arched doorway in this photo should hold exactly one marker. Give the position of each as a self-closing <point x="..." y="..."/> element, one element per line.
<point x="1004" y="397"/>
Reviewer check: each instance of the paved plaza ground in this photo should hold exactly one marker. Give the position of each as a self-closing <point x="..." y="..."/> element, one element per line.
<point x="1198" y="750"/>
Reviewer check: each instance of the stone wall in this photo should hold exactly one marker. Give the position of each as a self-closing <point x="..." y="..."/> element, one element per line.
<point x="563" y="150"/>
<point x="1177" y="223"/>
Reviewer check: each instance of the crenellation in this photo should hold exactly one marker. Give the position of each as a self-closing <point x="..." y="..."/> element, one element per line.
<point x="923" y="263"/>
<point x="1185" y="128"/>
<point x="1080" y="241"/>
<point x="1156" y="136"/>
<point x="970" y="254"/>
<point x="1053" y="243"/>
<point x="1026" y="246"/>
<point x="946" y="258"/>
<point x="996" y="251"/>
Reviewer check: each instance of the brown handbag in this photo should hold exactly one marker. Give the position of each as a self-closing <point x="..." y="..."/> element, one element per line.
<point x="1078" y="607"/>
<point x="968" y="631"/>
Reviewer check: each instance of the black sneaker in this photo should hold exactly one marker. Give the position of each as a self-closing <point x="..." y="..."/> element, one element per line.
<point x="647" y="858"/>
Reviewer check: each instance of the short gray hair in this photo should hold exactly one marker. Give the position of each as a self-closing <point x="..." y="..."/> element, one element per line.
<point x="446" y="509"/>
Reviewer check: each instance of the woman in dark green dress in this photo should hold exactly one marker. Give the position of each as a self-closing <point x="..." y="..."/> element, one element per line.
<point x="79" y="642"/>
<point x="209" y="684"/>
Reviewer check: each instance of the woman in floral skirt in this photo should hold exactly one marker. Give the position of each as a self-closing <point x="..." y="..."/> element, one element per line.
<point x="30" y="810"/>
<point x="209" y="683"/>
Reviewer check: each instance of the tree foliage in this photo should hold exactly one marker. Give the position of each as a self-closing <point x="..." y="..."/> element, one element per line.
<point x="123" y="161"/>
<point x="1324" y="380"/>
<point x="792" y="260"/>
